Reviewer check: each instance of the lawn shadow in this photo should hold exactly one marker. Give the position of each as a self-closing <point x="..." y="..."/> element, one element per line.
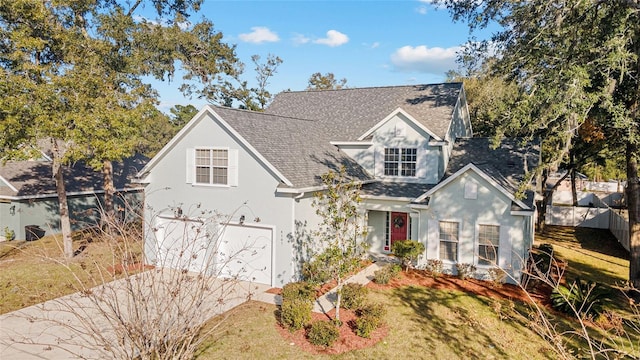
<point x="443" y="320"/>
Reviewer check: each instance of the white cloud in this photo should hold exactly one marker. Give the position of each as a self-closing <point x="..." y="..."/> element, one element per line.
<point x="423" y="59"/>
<point x="299" y="39"/>
<point x="259" y="35"/>
<point x="375" y="45"/>
<point x="422" y="10"/>
<point x="334" y="38"/>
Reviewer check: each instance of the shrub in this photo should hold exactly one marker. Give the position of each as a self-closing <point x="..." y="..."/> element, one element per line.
<point x="435" y="267"/>
<point x="365" y="325"/>
<point x="316" y="272"/>
<point x="497" y="276"/>
<point x="582" y="298"/>
<point x="295" y="314"/>
<point x="323" y="333"/>
<point x="465" y="270"/>
<point x="407" y="251"/>
<point x="298" y="290"/>
<point x="376" y="311"/>
<point x="353" y="295"/>
<point x="386" y="273"/>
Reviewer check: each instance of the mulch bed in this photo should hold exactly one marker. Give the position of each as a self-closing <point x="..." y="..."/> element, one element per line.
<point x="131" y="268"/>
<point x="350" y="341"/>
<point x="347" y="341"/>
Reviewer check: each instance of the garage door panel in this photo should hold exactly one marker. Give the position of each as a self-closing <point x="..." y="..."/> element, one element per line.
<point x="233" y="251"/>
<point x="246" y="252"/>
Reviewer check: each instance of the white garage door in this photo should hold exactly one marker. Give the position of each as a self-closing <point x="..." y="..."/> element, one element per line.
<point x="247" y="252"/>
<point x="243" y="251"/>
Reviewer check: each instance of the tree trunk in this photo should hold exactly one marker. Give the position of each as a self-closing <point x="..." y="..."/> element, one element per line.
<point x="574" y="193"/>
<point x="109" y="191"/>
<point x="633" y="204"/>
<point x="65" y="222"/>
<point x="546" y="197"/>
<point x="542" y="204"/>
<point x="338" y="299"/>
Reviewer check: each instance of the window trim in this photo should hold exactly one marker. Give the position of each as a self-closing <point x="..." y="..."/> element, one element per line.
<point x="211" y="167"/>
<point x="398" y="164"/>
<point x="440" y="240"/>
<point x="495" y="247"/>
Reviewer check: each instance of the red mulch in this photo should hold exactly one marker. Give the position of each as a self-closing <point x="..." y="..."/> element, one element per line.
<point x="347" y="341"/>
<point x="350" y="341"/>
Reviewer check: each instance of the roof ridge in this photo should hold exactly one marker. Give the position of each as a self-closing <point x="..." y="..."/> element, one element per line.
<point x="262" y="113"/>
<point x="366" y="87"/>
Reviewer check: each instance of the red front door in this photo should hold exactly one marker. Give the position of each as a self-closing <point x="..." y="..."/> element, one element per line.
<point x="399" y="225"/>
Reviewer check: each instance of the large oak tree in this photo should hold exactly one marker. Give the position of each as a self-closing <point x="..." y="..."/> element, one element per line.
<point x="76" y="73"/>
<point x="573" y="61"/>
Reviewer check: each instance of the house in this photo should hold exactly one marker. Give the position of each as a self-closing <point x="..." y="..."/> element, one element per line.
<point x="423" y="177"/>
<point x="29" y="201"/>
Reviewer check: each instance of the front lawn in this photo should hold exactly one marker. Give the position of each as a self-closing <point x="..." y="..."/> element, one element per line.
<point x="445" y="323"/>
<point x="36" y="271"/>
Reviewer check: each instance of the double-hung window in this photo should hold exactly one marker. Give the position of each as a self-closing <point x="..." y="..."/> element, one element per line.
<point x="400" y="161"/>
<point x="448" y="241"/>
<point x="488" y="243"/>
<point x="212" y="166"/>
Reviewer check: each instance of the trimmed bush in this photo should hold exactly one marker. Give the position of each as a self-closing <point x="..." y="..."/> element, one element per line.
<point x="353" y="295"/>
<point x="295" y="314"/>
<point x="386" y="273"/>
<point x="298" y="290"/>
<point x="315" y="272"/>
<point x="377" y="311"/>
<point x="407" y="251"/>
<point x="497" y="276"/>
<point x="582" y="298"/>
<point x="465" y="270"/>
<point x="435" y="267"/>
<point x="365" y="325"/>
<point x="323" y="333"/>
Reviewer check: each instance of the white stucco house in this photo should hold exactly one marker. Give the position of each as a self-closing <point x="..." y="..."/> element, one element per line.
<point x="424" y="177"/>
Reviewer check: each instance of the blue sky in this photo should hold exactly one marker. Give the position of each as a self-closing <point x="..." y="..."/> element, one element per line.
<point x="370" y="43"/>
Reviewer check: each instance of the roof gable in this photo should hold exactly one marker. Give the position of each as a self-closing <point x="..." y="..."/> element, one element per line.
<point x="472" y="167"/>
<point x="411" y="119"/>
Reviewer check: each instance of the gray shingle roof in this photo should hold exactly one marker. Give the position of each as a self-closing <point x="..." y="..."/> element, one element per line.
<point x="298" y="148"/>
<point x="396" y="189"/>
<point x="506" y="165"/>
<point x="347" y="114"/>
<point x="33" y="178"/>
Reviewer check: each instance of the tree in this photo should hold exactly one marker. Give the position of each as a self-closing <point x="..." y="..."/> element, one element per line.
<point x="407" y="251"/>
<point x="327" y="81"/>
<point x="73" y="74"/>
<point x="182" y="114"/>
<point x="256" y="98"/>
<point x="572" y="61"/>
<point x="342" y="229"/>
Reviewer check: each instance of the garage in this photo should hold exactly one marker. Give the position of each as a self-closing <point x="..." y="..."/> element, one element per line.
<point x="244" y="251"/>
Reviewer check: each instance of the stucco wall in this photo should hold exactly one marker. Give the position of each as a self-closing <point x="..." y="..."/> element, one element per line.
<point x="490" y="208"/>
<point x="254" y="197"/>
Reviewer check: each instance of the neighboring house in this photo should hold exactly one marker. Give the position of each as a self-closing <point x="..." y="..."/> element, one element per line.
<point x="28" y="197"/>
<point x="423" y="177"/>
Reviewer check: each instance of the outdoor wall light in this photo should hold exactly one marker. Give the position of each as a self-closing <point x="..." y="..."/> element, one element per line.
<point x="12" y="210"/>
<point x="242" y="220"/>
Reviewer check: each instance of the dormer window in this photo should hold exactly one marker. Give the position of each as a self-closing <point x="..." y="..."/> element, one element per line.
<point x="400" y="162"/>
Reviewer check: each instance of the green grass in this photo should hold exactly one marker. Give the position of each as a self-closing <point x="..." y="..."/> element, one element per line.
<point x="36" y="271"/>
<point x="441" y="324"/>
<point x="592" y="254"/>
<point x="423" y="323"/>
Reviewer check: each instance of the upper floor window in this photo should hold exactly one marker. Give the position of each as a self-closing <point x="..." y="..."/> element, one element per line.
<point x="488" y="243"/>
<point x="212" y="166"/>
<point x="400" y="161"/>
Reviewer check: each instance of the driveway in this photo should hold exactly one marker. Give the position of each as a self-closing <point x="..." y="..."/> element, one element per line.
<point x="73" y="326"/>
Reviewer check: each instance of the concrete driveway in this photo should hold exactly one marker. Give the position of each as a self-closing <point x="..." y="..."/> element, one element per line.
<point x="78" y="326"/>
